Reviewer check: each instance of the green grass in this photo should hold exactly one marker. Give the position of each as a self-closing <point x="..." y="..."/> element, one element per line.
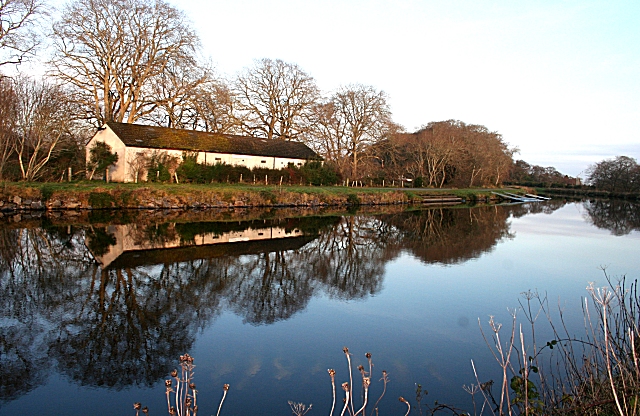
<point x="49" y="188"/>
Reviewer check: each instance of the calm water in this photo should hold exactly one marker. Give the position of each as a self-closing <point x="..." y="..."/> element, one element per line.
<point x="96" y="309"/>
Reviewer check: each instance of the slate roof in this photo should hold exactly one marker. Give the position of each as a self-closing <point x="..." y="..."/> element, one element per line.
<point x="154" y="137"/>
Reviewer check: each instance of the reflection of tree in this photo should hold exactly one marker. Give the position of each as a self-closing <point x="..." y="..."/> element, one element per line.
<point x="128" y="325"/>
<point x="269" y="287"/>
<point x="33" y="265"/>
<point x="451" y="235"/>
<point x="618" y="216"/>
<point x="349" y="258"/>
<point x="23" y="361"/>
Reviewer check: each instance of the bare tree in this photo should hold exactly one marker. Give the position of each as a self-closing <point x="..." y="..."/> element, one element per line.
<point x="365" y="118"/>
<point x="216" y="106"/>
<point x="7" y="121"/>
<point x="175" y="92"/>
<point x="348" y="124"/>
<point x="275" y="99"/>
<point x="193" y="98"/>
<point x="327" y="135"/>
<point x="112" y="52"/>
<point x="18" y="36"/>
<point x="42" y="120"/>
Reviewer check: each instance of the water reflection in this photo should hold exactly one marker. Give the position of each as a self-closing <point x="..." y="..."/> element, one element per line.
<point x="618" y="216"/>
<point x="113" y="304"/>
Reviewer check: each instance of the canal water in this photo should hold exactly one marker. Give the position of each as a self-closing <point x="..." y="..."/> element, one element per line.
<point x="97" y="308"/>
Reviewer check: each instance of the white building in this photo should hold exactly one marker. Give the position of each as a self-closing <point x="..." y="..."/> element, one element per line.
<point x="130" y="141"/>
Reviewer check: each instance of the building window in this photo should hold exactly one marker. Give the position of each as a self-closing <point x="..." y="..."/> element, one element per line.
<point x="218" y="159"/>
<point x="263" y="161"/>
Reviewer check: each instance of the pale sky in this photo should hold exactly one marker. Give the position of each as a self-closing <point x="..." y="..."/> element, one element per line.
<point x="560" y="80"/>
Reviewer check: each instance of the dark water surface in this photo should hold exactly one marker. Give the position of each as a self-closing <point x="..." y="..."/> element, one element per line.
<point x="97" y="309"/>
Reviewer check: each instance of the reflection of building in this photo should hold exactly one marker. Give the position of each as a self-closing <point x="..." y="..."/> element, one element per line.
<point x="134" y="142"/>
<point x="132" y="248"/>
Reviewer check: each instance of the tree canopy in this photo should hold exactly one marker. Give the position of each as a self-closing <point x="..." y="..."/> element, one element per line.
<point x="621" y="174"/>
<point x="112" y="52"/>
<point x="448" y="153"/>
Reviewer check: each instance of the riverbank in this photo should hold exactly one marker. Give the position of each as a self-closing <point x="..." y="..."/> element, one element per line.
<point x="586" y="192"/>
<point x="91" y="195"/>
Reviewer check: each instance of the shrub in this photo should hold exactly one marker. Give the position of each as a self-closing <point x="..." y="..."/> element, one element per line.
<point x="100" y="158"/>
<point x="595" y="374"/>
<point x="318" y="174"/>
<point x="161" y="167"/>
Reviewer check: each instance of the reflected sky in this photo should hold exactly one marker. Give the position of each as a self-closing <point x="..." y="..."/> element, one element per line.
<point x="270" y="322"/>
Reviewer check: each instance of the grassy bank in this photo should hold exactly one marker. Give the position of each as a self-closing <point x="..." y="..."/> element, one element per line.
<point x="100" y="195"/>
<point x="587" y="192"/>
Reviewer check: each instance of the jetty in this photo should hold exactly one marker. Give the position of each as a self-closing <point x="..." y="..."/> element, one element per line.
<point x="519" y="198"/>
<point x="440" y="199"/>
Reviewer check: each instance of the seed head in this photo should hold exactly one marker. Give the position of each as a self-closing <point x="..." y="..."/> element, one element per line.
<point x="167" y="383"/>
<point x="145" y="410"/>
<point x="345" y="350"/>
<point x="174" y="373"/>
<point x="345" y="386"/>
<point x="368" y="355"/>
<point x="332" y="372"/>
<point x="225" y="387"/>
<point x="186" y="359"/>
<point x="366" y="381"/>
<point x="137" y="406"/>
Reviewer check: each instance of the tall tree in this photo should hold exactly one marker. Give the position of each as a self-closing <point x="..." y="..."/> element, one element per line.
<point x="275" y="99"/>
<point x="175" y="92"/>
<point x="448" y="152"/>
<point x="348" y="123"/>
<point x="18" y="36"/>
<point x="327" y="135"/>
<point x="8" y="118"/>
<point x="366" y="117"/>
<point x="215" y="105"/>
<point x="112" y="51"/>
<point x="42" y="121"/>
<point x="193" y="98"/>
<point x="621" y="174"/>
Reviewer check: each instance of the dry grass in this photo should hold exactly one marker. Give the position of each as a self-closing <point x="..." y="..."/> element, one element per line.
<point x="595" y="374"/>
